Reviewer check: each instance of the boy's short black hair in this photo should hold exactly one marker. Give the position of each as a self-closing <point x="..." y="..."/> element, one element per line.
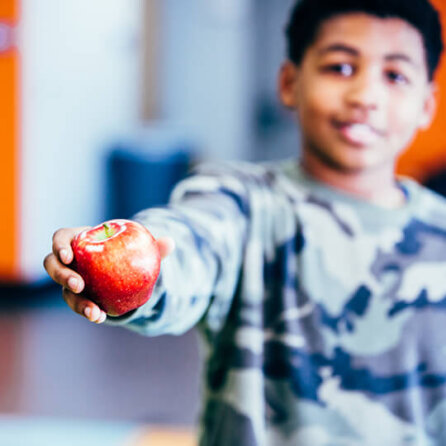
<point x="308" y="15"/>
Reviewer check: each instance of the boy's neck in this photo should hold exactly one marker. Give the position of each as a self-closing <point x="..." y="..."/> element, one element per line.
<point x="378" y="186"/>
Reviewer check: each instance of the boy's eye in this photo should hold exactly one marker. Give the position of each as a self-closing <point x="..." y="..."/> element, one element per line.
<point x="397" y="78"/>
<point x="343" y="69"/>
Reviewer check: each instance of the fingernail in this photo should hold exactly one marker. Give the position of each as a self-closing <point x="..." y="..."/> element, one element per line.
<point x="95" y="313"/>
<point x="102" y="318"/>
<point x="63" y="253"/>
<point x="73" y="283"/>
<point x="87" y="312"/>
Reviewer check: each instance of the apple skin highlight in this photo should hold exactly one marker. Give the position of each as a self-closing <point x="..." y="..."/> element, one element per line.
<point x="119" y="261"/>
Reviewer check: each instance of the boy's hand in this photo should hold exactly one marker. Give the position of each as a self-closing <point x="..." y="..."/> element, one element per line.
<point x="56" y="265"/>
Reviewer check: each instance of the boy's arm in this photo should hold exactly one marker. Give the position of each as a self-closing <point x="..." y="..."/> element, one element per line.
<point x="207" y="219"/>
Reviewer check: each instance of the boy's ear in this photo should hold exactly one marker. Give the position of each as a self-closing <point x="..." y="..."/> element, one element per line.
<point x="429" y="107"/>
<point x="287" y="84"/>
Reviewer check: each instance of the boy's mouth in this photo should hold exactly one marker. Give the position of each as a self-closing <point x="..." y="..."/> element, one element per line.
<point x="358" y="134"/>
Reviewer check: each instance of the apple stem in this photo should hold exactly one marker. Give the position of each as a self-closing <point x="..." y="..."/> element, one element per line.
<point x="108" y="230"/>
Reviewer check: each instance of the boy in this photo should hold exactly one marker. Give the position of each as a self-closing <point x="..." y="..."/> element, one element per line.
<point x="319" y="285"/>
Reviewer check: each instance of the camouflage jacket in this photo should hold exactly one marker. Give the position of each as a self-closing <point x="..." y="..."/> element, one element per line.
<point x="323" y="315"/>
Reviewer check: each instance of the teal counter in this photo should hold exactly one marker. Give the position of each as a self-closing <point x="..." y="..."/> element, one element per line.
<point x="41" y="431"/>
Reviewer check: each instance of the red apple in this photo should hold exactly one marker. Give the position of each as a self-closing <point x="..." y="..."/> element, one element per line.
<point x="119" y="261"/>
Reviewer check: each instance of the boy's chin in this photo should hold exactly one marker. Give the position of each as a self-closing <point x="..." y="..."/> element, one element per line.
<point x="349" y="160"/>
<point x="358" y="166"/>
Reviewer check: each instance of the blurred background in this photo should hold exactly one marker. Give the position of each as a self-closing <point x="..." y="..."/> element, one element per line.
<point x="104" y="106"/>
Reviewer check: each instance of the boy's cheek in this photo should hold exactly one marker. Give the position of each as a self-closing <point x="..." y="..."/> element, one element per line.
<point x="406" y="118"/>
<point x="319" y="101"/>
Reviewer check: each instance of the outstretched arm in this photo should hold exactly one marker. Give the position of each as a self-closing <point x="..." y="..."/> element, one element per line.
<point x="207" y="221"/>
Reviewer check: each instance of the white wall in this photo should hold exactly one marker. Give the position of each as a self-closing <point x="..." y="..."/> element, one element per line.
<point x="207" y="73"/>
<point x="81" y="91"/>
<point x="80" y="75"/>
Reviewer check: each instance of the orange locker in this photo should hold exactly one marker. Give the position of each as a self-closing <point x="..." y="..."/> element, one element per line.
<point x="9" y="114"/>
<point x="9" y="10"/>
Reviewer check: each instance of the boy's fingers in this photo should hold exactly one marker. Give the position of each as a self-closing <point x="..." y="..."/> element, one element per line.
<point x="84" y="307"/>
<point x="62" y="243"/>
<point x="62" y="275"/>
<point x="166" y="245"/>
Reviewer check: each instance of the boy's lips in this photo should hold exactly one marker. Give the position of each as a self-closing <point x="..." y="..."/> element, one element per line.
<point x="359" y="134"/>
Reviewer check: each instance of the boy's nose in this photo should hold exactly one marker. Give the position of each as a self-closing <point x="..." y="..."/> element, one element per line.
<point x="365" y="91"/>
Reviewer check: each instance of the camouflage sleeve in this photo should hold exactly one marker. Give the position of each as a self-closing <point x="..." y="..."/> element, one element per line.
<point x="207" y="218"/>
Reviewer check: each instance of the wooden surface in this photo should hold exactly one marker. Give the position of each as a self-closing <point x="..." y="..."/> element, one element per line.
<point x="164" y="437"/>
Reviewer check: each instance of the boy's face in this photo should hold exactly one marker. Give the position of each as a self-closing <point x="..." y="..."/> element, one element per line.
<point x="360" y="93"/>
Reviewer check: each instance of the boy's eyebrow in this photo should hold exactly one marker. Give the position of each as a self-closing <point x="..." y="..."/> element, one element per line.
<point x="339" y="47"/>
<point x="403" y="57"/>
<point x="342" y="47"/>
